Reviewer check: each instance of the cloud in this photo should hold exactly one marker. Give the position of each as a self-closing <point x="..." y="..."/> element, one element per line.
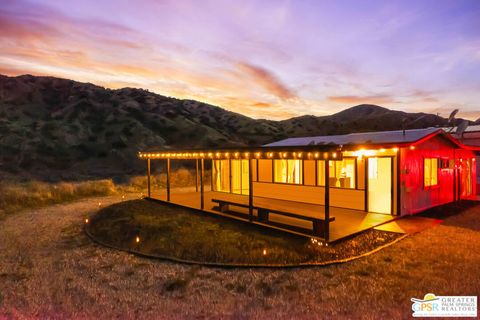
<point x="424" y="96"/>
<point x="267" y="80"/>
<point x="372" y="99"/>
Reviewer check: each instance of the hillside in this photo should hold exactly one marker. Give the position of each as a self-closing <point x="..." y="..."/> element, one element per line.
<point x="61" y="129"/>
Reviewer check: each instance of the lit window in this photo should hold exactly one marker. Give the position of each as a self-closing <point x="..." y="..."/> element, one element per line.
<point x="288" y="171"/>
<point x="221" y="175"/>
<point x="430" y="172"/>
<point x="321" y="172"/>
<point x="342" y="173"/>
<point x="239" y="176"/>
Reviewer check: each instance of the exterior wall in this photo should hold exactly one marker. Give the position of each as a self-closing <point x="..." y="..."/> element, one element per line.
<point x="415" y="196"/>
<point x="309" y="192"/>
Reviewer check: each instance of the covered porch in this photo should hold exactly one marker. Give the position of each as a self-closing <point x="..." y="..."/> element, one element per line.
<point x="321" y="221"/>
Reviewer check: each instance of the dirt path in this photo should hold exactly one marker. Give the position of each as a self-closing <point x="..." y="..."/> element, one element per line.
<point x="49" y="268"/>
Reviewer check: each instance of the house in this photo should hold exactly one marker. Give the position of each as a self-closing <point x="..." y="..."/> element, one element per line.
<point x="330" y="186"/>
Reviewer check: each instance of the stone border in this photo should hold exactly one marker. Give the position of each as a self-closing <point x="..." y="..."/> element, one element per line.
<point x="240" y="265"/>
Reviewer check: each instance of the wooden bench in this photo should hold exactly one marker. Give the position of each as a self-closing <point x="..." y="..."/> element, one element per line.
<point x="319" y="225"/>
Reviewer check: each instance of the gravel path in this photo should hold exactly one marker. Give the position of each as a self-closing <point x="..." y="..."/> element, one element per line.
<point x="50" y="269"/>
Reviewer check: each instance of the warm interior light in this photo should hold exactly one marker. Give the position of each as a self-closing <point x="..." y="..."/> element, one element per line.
<point x="264" y="252"/>
<point x="412" y="147"/>
<point x="395" y="149"/>
<point x="86" y="220"/>
<point x="137" y="239"/>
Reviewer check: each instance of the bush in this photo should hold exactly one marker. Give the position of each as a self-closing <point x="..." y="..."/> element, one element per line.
<point x="16" y="195"/>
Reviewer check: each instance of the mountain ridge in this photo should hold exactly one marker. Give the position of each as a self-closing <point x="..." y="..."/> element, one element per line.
<point x="63" y="128"/>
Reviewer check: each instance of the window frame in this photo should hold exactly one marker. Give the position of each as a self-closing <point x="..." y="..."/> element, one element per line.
<point x="430" y="185"/>
<point x="355" y="173"/>
<point x="301" y="183"/>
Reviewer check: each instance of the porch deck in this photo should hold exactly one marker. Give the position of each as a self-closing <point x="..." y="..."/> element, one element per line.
<point x="347" y="222"/>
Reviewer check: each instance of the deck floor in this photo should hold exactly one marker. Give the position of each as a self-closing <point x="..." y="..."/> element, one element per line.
<point x="347" y="222"/>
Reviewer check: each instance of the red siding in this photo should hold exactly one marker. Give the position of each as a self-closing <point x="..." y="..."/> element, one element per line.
<point x="415" y="196"/>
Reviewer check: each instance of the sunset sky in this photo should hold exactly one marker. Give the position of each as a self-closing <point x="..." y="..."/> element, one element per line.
<point x="264" y="59"/>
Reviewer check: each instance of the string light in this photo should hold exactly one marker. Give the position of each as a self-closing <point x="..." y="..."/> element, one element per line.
<point x="238" y="154"/>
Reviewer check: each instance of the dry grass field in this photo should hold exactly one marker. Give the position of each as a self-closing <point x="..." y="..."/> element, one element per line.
<point x="50" y="269"/>
<point x="16" y="195"/>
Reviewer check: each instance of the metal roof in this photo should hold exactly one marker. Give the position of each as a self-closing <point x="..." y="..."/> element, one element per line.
<point x="474" y="128"/>
<point x="364" y="138"/>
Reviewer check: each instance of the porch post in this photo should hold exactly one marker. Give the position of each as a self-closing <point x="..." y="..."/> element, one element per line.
<point x="168" y="180"/>
<point x="327" y="200"/>
<point x="148" y="177"/>
<point x="250" y="191"/>
<point x="202" y="172"/>
<point x="196" y="175"/>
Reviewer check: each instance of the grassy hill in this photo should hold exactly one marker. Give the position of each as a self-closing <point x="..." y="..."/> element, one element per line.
<point x="55" y="128"/>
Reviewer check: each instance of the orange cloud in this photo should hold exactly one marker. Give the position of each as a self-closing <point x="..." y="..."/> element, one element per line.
<point x="374" y="99"/>
<point x="424" y="96"/>
<point x="267" y="80"/>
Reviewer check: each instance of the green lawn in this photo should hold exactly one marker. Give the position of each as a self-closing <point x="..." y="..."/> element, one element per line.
<point x="189" y="235"/>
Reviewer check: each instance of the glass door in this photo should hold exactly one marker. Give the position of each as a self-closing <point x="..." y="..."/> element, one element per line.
<point x="379" y="190"/>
